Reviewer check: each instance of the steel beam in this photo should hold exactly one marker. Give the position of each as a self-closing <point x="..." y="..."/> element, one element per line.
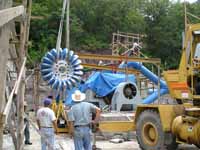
<point x="119" y="58"/>
<point x="9" y="14"/>
<point x="93" y="66"/>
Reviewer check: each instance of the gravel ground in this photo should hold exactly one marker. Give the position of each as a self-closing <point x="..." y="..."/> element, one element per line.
<point x="63" y="142"/>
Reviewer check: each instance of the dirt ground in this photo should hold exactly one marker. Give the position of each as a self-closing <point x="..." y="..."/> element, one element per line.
<point x="63" y="142"/>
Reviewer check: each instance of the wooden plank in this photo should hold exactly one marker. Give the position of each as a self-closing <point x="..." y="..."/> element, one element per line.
<point x="9" y="14"/>
<point x="20" y="75"/>
<point x="37" y="17"/>
<point x="14" y="91"/>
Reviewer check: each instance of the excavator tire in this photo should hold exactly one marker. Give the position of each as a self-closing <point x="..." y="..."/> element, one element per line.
<point x="150" y="135"/>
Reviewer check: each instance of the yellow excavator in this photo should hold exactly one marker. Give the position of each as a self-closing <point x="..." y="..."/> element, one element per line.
<point x="161" y="127"/>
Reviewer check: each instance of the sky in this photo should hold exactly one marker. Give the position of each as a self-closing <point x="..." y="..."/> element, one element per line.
<point x="191" y="1"/>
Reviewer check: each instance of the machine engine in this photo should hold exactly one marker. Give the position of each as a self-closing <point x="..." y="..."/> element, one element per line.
<point x="124" y="98"/>
<point x="187" y="127"/>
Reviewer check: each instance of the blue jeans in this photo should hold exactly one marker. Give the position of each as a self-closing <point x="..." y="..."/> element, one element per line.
<point x="26" y="131"/>
<point x="47" y="139"/>
<point x="82" y="138"/>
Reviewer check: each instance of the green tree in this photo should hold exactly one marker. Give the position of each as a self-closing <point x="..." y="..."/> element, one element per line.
<point x="93" y="22"/>
<point x="164" y="31"/>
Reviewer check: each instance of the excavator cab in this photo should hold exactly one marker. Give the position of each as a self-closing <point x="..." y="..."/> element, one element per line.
<point x="184" y="83"/>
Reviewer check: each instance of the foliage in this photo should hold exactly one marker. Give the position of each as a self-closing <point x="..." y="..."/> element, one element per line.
<point x="93" y="22"/>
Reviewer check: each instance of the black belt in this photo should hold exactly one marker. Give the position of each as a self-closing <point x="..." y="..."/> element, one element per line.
<point x="86" y="125"/>
<point x="46" y="127"/>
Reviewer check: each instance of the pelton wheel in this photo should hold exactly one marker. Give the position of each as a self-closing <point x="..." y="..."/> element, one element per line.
<point x="61" y="69"/>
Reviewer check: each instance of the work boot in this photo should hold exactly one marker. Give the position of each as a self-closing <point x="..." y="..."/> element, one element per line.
<point x="28" y="143"/>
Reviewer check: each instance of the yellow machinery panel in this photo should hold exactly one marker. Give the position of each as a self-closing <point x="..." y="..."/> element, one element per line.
<point x="117" y="126"/>
<point x="182" y="82"/>
<point x="61" y="116"/>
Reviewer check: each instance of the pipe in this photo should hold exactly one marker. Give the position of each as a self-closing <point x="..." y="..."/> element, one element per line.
<point x="151" y="98"/>
<point x="151" y="76"/>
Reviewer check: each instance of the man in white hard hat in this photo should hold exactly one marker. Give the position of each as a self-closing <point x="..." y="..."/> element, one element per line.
<point x="80" y="117"/>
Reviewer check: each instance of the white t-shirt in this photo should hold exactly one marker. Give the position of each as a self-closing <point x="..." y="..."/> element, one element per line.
<point x="46" y="116"/>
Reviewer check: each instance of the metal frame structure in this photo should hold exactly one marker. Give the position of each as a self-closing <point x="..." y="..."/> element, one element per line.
<point x="122" y="42"/>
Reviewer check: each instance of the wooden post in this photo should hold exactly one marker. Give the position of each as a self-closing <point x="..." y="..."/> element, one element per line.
<point x="28" y="23"/>
<point x="113" y="44"/>
<point x="11" y="126"/>
<point x="20" y="114"/>
<point x="4" y="40"/>
<point x="35" y="88"/>
<point x="1" y="131"/>
<point x="20" y="96"/>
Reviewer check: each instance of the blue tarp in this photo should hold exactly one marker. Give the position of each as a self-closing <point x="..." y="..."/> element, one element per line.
<point x="104" y="83"/>
<point x="101" y="83"/>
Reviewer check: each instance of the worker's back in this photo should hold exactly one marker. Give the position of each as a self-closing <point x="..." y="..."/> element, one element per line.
<point x="81" y="113"/>
<point x="45" y="115"/>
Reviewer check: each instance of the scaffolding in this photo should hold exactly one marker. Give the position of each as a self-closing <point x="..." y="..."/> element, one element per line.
<point x="13" y="49"/>
<point x="121" y="42"/>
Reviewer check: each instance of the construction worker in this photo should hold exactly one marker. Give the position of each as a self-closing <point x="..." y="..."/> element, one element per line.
<point x="46" y="121"/>
<point x="26" y="122"/>
<point x="80" y="119"/>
